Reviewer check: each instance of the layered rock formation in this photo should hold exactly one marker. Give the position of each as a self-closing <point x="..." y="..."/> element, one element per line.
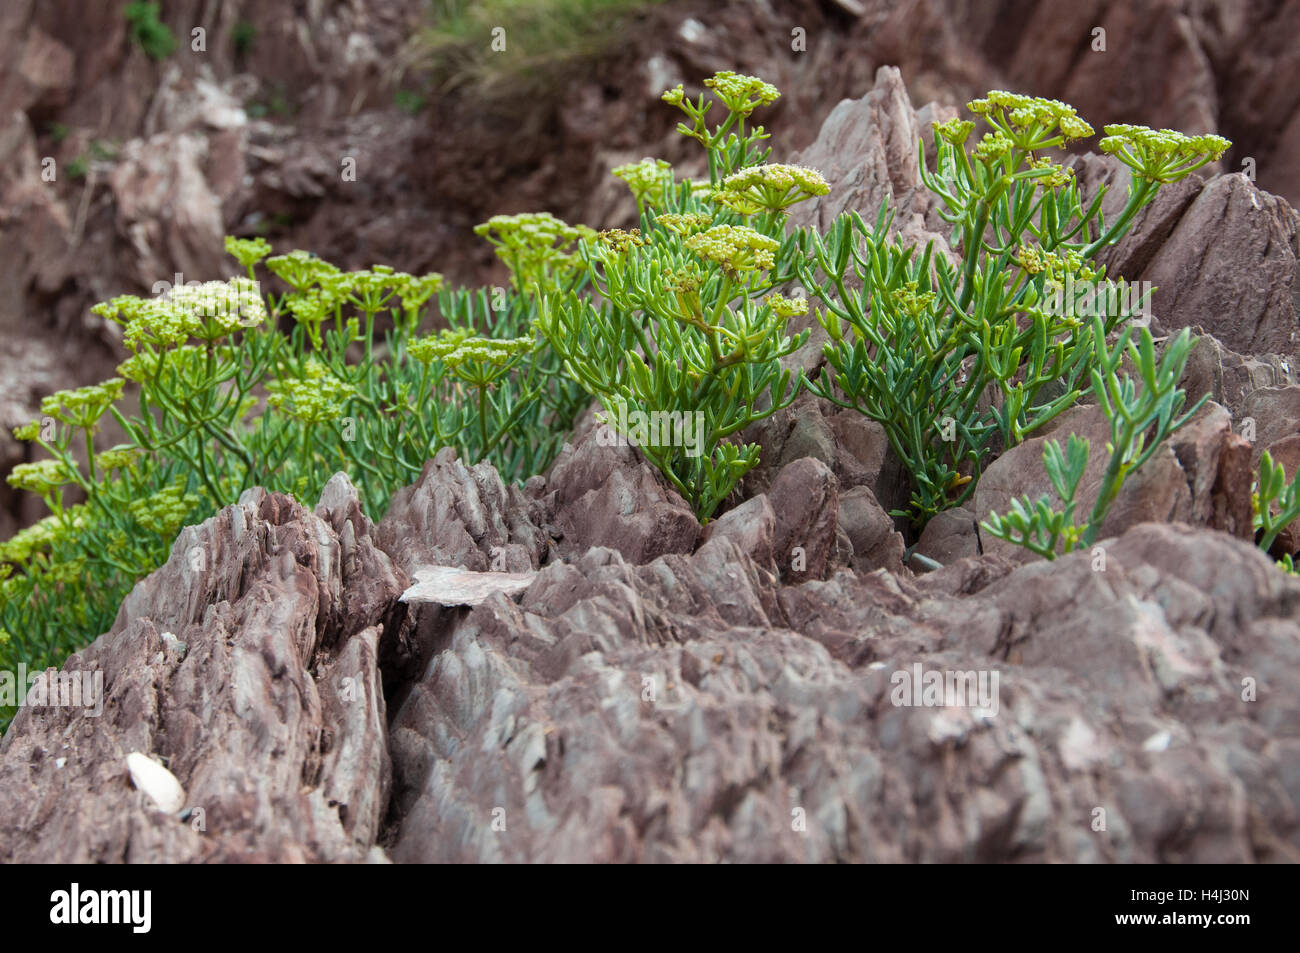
<point x="685" y="706"/>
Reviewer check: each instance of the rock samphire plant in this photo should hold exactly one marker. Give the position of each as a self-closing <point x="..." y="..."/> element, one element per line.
<point x="1275" y="502"/>
<point x="961" y="358"/>
<point x="1140" y="416"/>
<point x="217" y="397"/>
<point x="683" y="340"/>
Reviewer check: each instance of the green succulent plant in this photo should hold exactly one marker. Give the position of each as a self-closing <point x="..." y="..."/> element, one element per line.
<point x="959" y="360"/>
<point x="684" y="325"/>
<point x="1141" y="418"/>
<point x="215" y="398"/>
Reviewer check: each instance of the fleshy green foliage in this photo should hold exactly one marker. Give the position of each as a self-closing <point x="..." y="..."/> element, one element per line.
<point x="538" y="248"/>
<point x="686" y="329"/>
<point x="143" y="26"/>
<point x="958" y="362"/>
<point x="1276" y="503"/>
<point x="1141" y="418"/>
<point x="523" y="49"/>
<point x="224" y="400"/>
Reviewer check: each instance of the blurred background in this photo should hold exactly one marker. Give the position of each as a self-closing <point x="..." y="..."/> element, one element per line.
<point x="135" y="135"/>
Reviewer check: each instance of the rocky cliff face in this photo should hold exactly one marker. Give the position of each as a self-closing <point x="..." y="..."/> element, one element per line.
<point x="576" y="670"/>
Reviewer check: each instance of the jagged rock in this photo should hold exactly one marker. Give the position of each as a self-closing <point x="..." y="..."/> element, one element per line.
<point x="40" y="78"/>
<point x="949" y="536"/>
<point x="610" y="496"/>
<point x="1230" y="266"/>
<point x="855" y="447"/>
<point x="867" y="152"/>
<point x="598" y="721"/>
<point x="272" y="719"/>
<point x="1268" y="415"/>
<point x="752" y="527"/>
<point x="1215" y="464"/>
<point x="166" y="210"/>
<point x="1228" y="377"/>
<point x="683" y="709"/>
<point x="876" y="544"/>
<point x="805" y="498"/>
<point x="461" y="516"/>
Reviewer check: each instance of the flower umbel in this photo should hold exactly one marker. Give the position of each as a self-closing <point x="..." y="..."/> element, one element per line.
<point x="315" y="397"/>
<point x="770" y="188"/>
<point x="1030" y="122"/>
<point x="739" y="93"/>
<point x="647" y="179"/>
<point x="1161" y="155"/>
<point x="737" y="248"/>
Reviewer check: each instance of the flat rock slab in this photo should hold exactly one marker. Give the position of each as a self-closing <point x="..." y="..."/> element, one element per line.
<point x="453" y="586"/>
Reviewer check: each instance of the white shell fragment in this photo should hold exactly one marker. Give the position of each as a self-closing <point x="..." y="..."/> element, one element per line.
<point x="452" y="586"/>
<point x="1158" y="742"/>
<point x="156" y="781"/>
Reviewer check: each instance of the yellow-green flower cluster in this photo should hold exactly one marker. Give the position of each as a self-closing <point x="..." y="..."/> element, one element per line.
<point x="1029" y="120"/>
<point x="739" y="93"/>
<point x="315" y="397"/>
<point x="1055" y="265"/>
<point x="414" y="292"/>
<point x="217" y="308"/>
<point x="85" y="405"/>
<point x="621" y="242"/>
<point x="247" y="251"/>
<point x="481" y="361"/>
<point x="41" y="477"/>
<point x="911" y="301"/>
<point x="436" y="347"/>
<point x="647" y="179"/>
<point x="771" y="188"/>
<point x="533" y="244"/>
<point x="370" y="288"/>
<point x="118" y="458"/>
<point x="309" y="307"/>
<point x="164" y="512"/>
<point x="155" y="324"/>
<point x="955" y="131"/>
<point x="41" y="536"/>
<point x="674" y="96"/>
<point x="685" y="223"/>
<point x="207" y="311"/>
<point x="1161" y="155"/>
<point x="1057" y="176"/>
<point x="301" y="269"/>
<point x="119" y="310"/>
<point x="496" y="352"/>
<point x="992" y="147"/>
<point x="786" y="307"/>
<point x="737" y="248"/>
